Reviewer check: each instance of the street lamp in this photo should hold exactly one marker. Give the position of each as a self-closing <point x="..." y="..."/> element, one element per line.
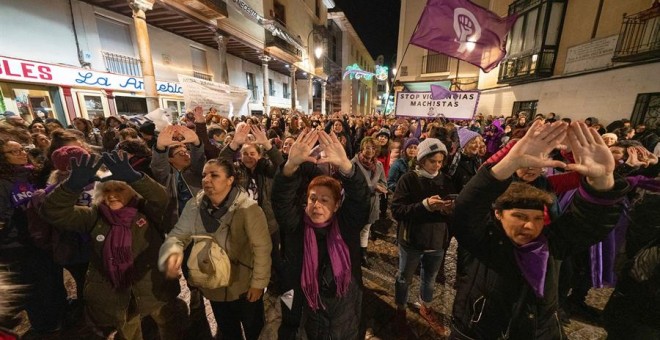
<point x="318" y="52"/>
<point x="394" y="71"/>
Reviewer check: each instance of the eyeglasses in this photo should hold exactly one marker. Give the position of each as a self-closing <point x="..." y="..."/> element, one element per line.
<point x="16" y="152"/>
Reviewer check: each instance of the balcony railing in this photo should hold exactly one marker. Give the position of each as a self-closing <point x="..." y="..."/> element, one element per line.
<point x="202" y="75"/>
<point x="639" y="38"/>
<point x="280" y="43"/>
<point x="528" y="66"/>
<point x="121" y="64"/>
<point x="435" y="63"/>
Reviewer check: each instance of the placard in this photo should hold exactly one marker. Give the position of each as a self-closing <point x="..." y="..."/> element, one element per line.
<point x="461" y="105"/>
<point x="228" y="100"/>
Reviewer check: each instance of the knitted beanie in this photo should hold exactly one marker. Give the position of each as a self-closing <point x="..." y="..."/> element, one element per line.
<point x="62" y="156"/>
<point x="430" y="146"/>
<point x="466" y="135"/>
<point x="409" y="142"/>
<point x="384" y="132"/>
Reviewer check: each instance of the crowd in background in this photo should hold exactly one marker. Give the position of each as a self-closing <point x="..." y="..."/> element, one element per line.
<point x="291" y="198"/>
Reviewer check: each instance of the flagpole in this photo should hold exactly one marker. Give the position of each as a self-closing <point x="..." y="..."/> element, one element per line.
<point x="396" y="76"/>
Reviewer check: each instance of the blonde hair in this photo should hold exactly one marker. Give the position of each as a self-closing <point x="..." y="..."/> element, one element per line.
<point x="100" y="186"/>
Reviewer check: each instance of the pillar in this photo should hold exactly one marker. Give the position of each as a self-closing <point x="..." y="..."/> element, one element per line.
<point x="139" y="18"/>
<point x="264" y="65"/>
<point x="293" y="88"/>
<point x="223" y="76"/>
<point x="112" y="105"/>
<point x="68" y="101"/>
<point x="323" y="93"/>
<point x="310" y="94"/>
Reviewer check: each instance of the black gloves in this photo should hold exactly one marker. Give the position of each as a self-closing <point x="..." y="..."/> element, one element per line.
<point x="120" y="168"/>
<point x="82" y="173"/>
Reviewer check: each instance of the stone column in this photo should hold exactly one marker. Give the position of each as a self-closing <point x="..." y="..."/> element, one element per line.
<point x="323" y="93"/>
<point x="223" y="76"/>
<point x="310" y="94"/>
<point x="293" y="88"/>
<point x="139" y="8"/>
<point x="264" y="65"/>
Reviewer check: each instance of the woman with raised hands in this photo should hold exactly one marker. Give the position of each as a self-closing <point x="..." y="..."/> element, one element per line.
<point x="323" y="237"/>
<point x="510" y="287"/>
<point x="123" y="284"/>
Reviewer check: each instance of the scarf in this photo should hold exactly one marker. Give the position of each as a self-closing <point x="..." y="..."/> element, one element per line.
<point x="532" y="259"/>
<point x="340" y="260"/>
<point x="423" y="173"/>
<point x="117" y="252"/>
<point x="210" y="215"/>
<point x="369" y="164"/>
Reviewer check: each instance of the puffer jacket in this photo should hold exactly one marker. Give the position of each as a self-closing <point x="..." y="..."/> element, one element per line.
<point x="249" y="244"/>
<point x="493" y="298"/>
<point x="106" y="305"/>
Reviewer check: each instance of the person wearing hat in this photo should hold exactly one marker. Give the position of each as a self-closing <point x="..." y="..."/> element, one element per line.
<point x="466" y="161"/>
<point x="511" y="284"/>
<point x="422" y="205"/>
<point x="403" y="163"/>
<point x="148" y="133"/>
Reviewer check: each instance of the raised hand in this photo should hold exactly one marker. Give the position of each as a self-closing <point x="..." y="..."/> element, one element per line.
<point x="166" y="137"/>
<point x="240" y="136"/>
<point x="593" y="158"/>
<point x="260" y="137"/>
<point x="199" y="114"/>
<point x="300" y="150"/>
<point x="83" y="172"/>
<point x="334" y="152"/>
<point x="117" y="163"/>
<point x="189" y="136"/>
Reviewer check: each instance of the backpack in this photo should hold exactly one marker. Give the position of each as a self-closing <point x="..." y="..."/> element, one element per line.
<point x="209" y="266"/>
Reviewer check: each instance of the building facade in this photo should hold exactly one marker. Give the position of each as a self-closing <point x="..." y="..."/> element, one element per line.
<point x="578" y="59"/>
<point x="70" y="58"/>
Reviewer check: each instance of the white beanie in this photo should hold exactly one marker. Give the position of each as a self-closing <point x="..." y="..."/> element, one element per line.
<point x="430" y="146"/>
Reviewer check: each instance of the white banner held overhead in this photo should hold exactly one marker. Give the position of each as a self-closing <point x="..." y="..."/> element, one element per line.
<point x="461" y="105"/>
<point x="228" y="100"/>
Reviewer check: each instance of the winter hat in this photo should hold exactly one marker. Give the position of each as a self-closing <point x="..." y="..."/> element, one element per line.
<point x="611" y="135"/>
<point x="430" y="146"/>
<point x="62" y="156"/>
<point x="409" y="142"/>
<point x="9" y="114"/>
<point x="466" y="135"/>
<point x="384" y="132"/>
<point x="148" y="128"/>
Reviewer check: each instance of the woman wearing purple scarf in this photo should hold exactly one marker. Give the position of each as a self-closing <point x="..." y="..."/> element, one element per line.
<point x="323" y="248"/>
<point x="123" y="284"/>
<point x="510" y="289"/>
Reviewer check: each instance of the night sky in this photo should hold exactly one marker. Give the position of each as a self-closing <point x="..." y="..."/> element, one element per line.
<point x="376" y="22"/>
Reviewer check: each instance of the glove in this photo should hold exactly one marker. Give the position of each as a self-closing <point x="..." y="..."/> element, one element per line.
<point x="82" y="173"/>
<point x="121" y="170"/>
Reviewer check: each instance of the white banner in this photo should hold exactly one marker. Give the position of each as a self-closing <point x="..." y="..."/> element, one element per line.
<point x="228" y="100"/>
<point x="461" y="105"/>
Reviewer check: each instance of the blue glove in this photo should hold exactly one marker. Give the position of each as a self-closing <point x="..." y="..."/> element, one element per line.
<point x="82" y="173"/>
<point x="121" y="170"/>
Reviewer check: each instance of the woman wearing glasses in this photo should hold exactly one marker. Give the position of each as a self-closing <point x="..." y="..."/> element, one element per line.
<point x="45" y="300"/>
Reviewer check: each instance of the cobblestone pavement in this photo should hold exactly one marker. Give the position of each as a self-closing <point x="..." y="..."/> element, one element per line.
<point x="379" y="306"/>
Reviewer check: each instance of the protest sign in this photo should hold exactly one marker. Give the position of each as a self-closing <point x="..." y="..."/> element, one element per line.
<point x="459" y="105"/>
<point x="228" y="100"/>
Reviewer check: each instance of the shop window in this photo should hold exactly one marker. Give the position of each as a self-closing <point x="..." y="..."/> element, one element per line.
<point x="285" y="91"/>
<point x="529" y="107"/>
<point x="251" y="84"/>
<point x="93" y="105"/>
<point x="131" y="106"/>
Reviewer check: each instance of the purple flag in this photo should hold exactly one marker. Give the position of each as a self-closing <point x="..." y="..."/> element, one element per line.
<point x="463" y="30"/>
<point x="439" y="93"/>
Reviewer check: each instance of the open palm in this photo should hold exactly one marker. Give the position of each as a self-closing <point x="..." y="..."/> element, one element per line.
<point x="593" y="158"/>
<point x="334" y="151"/>
<point x="533" y="148"/>
<point x="302" y="147"/>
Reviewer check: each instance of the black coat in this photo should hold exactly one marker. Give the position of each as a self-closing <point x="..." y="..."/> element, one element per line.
<point x="485" y="297"/>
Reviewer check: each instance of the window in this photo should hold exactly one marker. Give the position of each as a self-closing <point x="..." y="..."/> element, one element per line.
<point x="279" y="13"/>
<point x="251" y="84"/>
<point x="534" y="39"/>
<point x="131" y="105"/>
<point x="117" y="47"/>
<point x="317" y="8"/>
<point x="435" y="63"/>
<point x="381" y="87"/>
<point x="285" y="91"/>
<point x="199" y="65"/>
<point x="271" y="87"/>
<point x="646" y="110"/>
<point x="529" y="107"/>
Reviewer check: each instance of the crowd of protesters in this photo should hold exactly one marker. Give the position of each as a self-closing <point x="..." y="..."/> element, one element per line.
<point x="543" y="208"/>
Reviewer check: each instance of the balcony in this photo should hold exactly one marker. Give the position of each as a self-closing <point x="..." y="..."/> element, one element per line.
<point x="639" y="38"/>
<point x="202" y="75"/>
<point x="276" y="44"/>
<point x="435" y="63"/>
<point x="531" y="65"/>
<point x="121" y="64"/>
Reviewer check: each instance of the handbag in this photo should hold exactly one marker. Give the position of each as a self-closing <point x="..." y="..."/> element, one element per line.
<point x="209" y="266"/>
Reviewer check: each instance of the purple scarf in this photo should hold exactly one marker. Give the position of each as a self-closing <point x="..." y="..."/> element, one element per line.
<point x="532" y="259"/>
<point x="340" y="260"/>
<point x="117" y="252"/>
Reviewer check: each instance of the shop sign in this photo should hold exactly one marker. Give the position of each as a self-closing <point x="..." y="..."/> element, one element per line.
<point x="228" y="100"/>
<point x="460" y="105"/>
<point x="35" y="72"/>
